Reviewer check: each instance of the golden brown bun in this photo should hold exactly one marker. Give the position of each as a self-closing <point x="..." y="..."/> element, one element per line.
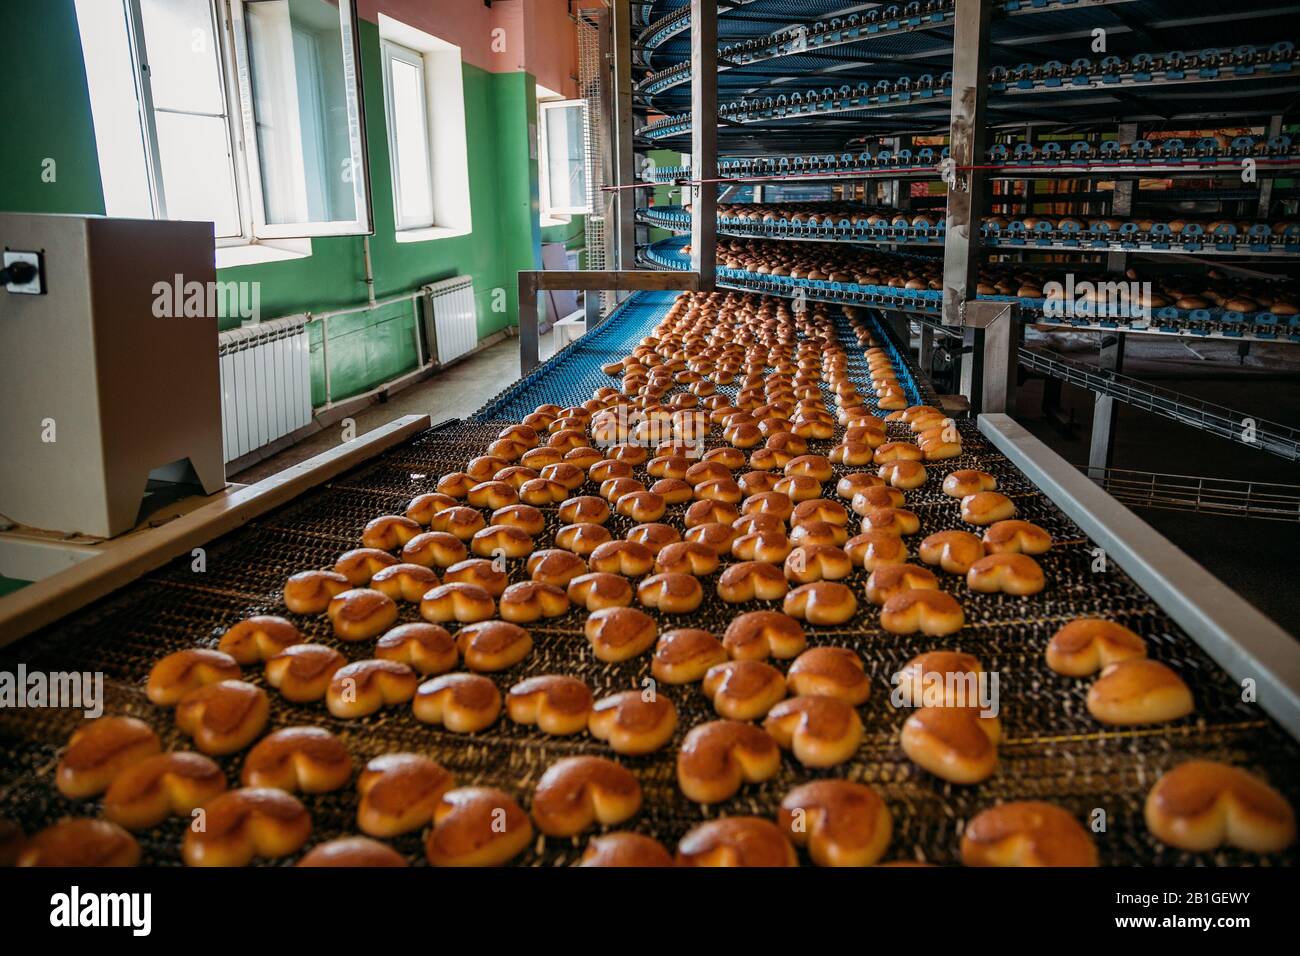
<point x="1008" y="572"/>
<point x="1027" y="833"/>
<point x="405" y="582"/>
<point x="524" y="517"/>
<point x="147" y="793"/>
<point x="717" y="757"/>
<point x="397" y="793"/>
<point x="890" y="579"/>
<point x="939" y="679"/>
<point x="654" y="536"/>
<point x="933" y="613"/>
<point x="713" y="534"/>
<point x="365" y="687"/>
<point x="1018" y="536"/>
<point x="576" y="793"/>
<point x="462" y="703"/>
<point x="954" y="551"/>
<point x="1201" y="805"/>
<point x="247" y="823"/>
<point x="259" y="638"/>
<point x="897" y="521"/>
<point x="526" y="601"/>
<point x="904" y="474"/>
<point x="820" y="731"/>
<point x="361" y="614"/>
<point x="461" y="602"/>
<point x="492" y="494"/>
<point x="555" y="566"/>
<point x="686" y="557"/>
<point x="622" y="557"/>
<point x="223" y="718"/>
<point x="986" y="507"/>
<point x="597" y="591"/>
<point x="302" y="673"/>
<point x="477" y="826"/>
<point x="968" y="481"/>
<point x="758" y="635"/>
<point x="632" y="722"/>
<point x="309" y="592"/>
<point x="745" y="689"/>
<point x="830" y="672"/>
<point x="361" y="564"/>
<point x="434" y="549"/>
<point x="841" y="823"/>
<point x="423" y="507"/>
<point x="479" y="571"/>
<point x="556" y="704"/>
<point x="1087" y="645"/>
<point x="871" y="549"/>
<point x="824" y="603"/>
<point x="670" y="593"/>
<point x="306" y="759"/>
<point x="352" y="852"/>
<point x="183" y="671"/>
<point x="619" y="633"/>
<point x="710" y="512"/>
<point x="389" y="532"/>
<point x="871" y="499"/>
<point x="101" y="749"/>
<point x="509" y="540"/>
<point x="425" y="648"/>
<point x="1139" y="691"/>
<point x="736" y="841"/>
<point x="493" y="645"/>
<point x="585" y="509"/>
<point x="80" y="841"/>
<point x="625" y="849"/>
<point x="684" y="656"/>
<point x="953" y="743"/>
<point x="750" y="581"/>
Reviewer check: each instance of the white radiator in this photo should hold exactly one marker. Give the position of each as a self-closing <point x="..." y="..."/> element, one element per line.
<point x="265" y="383"/>
<point x="451" y="321"/>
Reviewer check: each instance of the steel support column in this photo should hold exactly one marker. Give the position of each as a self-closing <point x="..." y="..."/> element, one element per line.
<point x="994" y="329"/>
<point x="1104" y="410"/>
<point x="1121" y="202"/>
<point x="1266" y="183"/>
<point x="704" y="140"/>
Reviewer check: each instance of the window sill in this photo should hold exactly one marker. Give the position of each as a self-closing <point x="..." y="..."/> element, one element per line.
<point x="258" y="253"/>
<point x="429" y="234"/>
<point x="547" y="220"/>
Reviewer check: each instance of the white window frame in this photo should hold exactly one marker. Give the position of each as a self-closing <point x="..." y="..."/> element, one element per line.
<point x="549" y="211"/>
<point x="392" y="50"/>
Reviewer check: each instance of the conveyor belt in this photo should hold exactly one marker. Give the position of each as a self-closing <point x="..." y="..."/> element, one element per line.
<point x="1052" y="750"/>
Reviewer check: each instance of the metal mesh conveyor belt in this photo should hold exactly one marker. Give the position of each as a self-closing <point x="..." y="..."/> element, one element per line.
<point x="1053" y="750"/>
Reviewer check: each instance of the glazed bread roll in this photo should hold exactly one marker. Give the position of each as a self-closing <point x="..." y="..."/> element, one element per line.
<point x="352" y="852"/>
<point x="223" y="718"/>
<point x="493" y="645"/>
<point x="836" y="672"/>
<point x="686" y="557"/>
<point x="745" y="689"/>
<point x="555" y="566"/>
<point x="751" y="581"/>
<point x="170" y="784"/>
<point x="397" y="793"/>
<point x="422" y="508"/>
<point x="890" y="579"/>
<point x="713" y="534"/>
<point x="528" y="601"/>
<point x="736" y="841"/>
<point x="799" y="488"/>
<point x="101" y="749"/>
<point x="954" y="551"/>
<point x="576" y="793"/>
<point x="654" y="536"/>
<point x="425" y="648"/>
<point x="524" y="517"/>
<point x="872" y="549"/>
<point x="823" y="603"/>
<point x="247" y="823"/>
<point x="361" y="614"/>
<point x="627" y="558"/>
<point x="81" y="841"/>
<point x="310" y="592"/>
<point x="1027" y="833"/>
<point x="298" y="759"/>
<point x="710" y="512"/>
<point x="509" y="540"/>
<point x="183" y="671"/>
<point x="759" y="635"/>
<point x="365" y="687"/>
<point x="1139" y="691"/>
<point x="817" y="467"/>
<point x="819" y="731"/>
<point x="717" y="757"/>
<point x="586" y="509"/>
<point x="434" y="549"/>
<point x="1008" y="572"/>
<point x="953" y="743"/>
<point x="1201" y="805"/>
<point x="461" y="602"/>
<point x="684" y="656"/>
<point x="670" y="593"/>
<point x="632" y="724"/>
<point x="462" y="703"/>
<point x="904" y="474"/>
<point x="817" y="562"/>
<point x="897" y="521"/>
<point x="1016" y="536"/>
<point x="597" y="590"/>
<point x="771" y="546"/>
<point x="840" y="823"/>
<point x="389" y="532"/>
<point x="556" y="704"/>
<point x="986" y="507"/>
<point x="939" y="679"/>
<point x="872" y="499"/>
<point x="302" y="673"/>
<point x="492" y="494"/>
<point x="624" y="850"/>
<point x="404" y="582"/>
<point x="360" y="564"/>
<point x="477" y="826"/>
<point x="619" y="634"/>
<point x="259" y="638"/>
<point x="1087" y="645"/>
<point x="932" y="613"/>
<point x="478" y="571"/>
<point x="858" y="481"/>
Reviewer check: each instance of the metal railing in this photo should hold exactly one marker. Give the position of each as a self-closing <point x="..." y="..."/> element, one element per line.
<point x="1218" y="496"/>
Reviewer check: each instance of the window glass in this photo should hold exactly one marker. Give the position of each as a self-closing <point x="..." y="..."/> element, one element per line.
<point x="409" y="146"/>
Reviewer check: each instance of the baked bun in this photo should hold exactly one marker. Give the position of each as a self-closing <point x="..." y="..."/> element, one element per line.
<point x="460" y="521"/>
<point x="404" y="582"/>
<point x="1016" y="536"/>
<point x="670" y="593"/>
<point x="632" y="724"/>
<point x="953" y="743"/>
<point x="170" y="784"/>
<point x="461" y="602"/>
<point x="619" y="634"/>
<point x="717" y="757"/>
<point x="597" y="591"/>
<point x="478" y="571"/>
<point x="824" y="603"/>
<point x="1026" y="833"/>
<point x="498" y="540"/>
<point x="524" y="517"/>
<point x="625" y="849"/>
<point x="743" y="690"/>
<point x="890" y="579"/>
<point x="932" y="613"/>
<point x="425" y="648"/>
<point x="954" y="551"/>
<point x="709" y="512"/>
<point x="310" y="592"/>
<point x="305" y="759"/>
<point x="968" y="481"/>
<point x="101" y="749"/>
<point x="462" y="703"/>
<point x="492" y="494"/>
<point x="365" y="687"/>
<point x="80" y="842"/>
<point x="684" y="656"/>
<point x="1139" y="691"/>
<point x="1086" y="645"/>
<point x="389" y="532"/>
<point x="247" y="823"/>
<point x="555" y="566"/>
<point x="840" y="823"/>
<point x="736" y="841"/>
<point x="585" y="509"/>
<point x="622" y="557"/>
<point x="1201" y="805"/>
<point x="872" y="499"/>
<point x="759" y="635"/>
<point x="1008" y="572"/>
<point x="477" y="826"/>
<point x="576" y="793"/>
<point x="986" y="507"/>
<point x="423" y="507"/>
<point x="259" y="638"/>
<point x="183" y="671"/>
<point x="819" y="731"/>
<point x="528" y="601"/>
<point x="904" y="474"/>
<point x="897" y="521"/>
<point x="434" y="549"/>
<point x="686" y="557"/>
<point x="223" y="718"/>
<point x="939" y="679"/>
<point x="556" y="704"/>
<point x="751" y="581"/>
<point x="871" y="549"/>
<point x="713" y="534"/>
<point x="654" y="536"/>
<point x="855" y="482"/>
<point x="361" y="614"/>
<point x="830" y="672"/>
<point x="398" y="792"/>
<point x="493" y="645"/>
<point x="352" y="852"/>
<point x="302" y="673"/>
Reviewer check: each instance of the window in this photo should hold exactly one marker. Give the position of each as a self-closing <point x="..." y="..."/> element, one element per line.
<point x="246" y="113"/>
<point x="563" y="160"/>
<point x="408" y="136"/>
